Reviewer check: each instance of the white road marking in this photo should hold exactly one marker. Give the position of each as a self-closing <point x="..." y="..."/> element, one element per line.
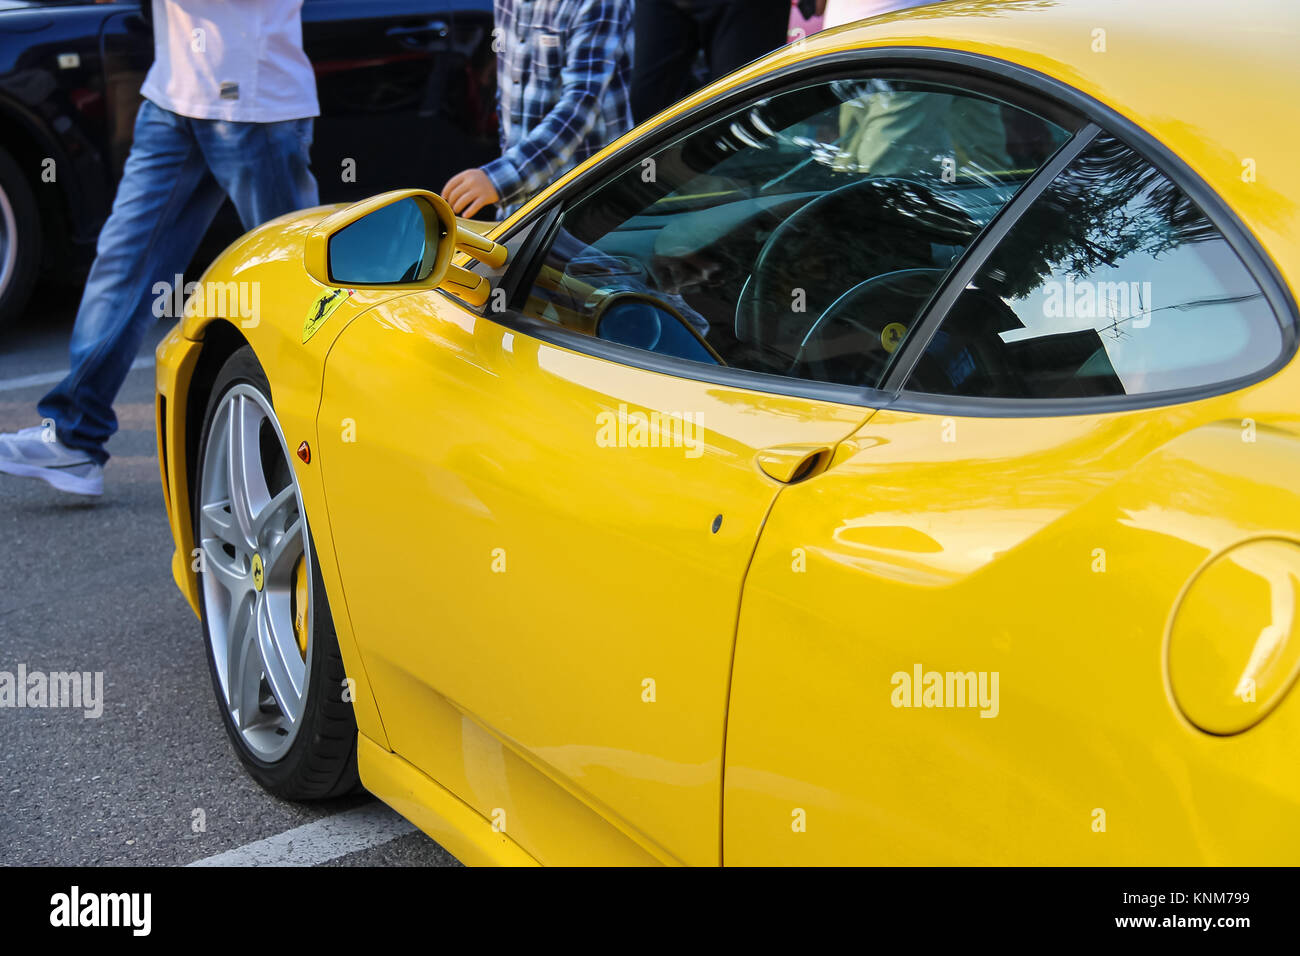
<point x="319" y="841"/>
<point x="50" y="378"/>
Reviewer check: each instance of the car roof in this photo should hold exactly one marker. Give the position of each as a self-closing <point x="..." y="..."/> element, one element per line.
<point x="1218" y="83"/>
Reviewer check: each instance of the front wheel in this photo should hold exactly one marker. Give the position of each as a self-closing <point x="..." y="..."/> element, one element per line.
<point x="274" y="656"/>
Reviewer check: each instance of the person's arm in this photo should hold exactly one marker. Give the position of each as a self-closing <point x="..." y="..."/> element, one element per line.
<point x="601" y="28"/>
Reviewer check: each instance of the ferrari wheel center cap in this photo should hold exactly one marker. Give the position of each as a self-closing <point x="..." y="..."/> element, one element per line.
<point x="258" y="571"/>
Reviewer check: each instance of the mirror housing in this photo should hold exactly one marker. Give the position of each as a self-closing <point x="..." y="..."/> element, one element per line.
<point x="444" y="236"/>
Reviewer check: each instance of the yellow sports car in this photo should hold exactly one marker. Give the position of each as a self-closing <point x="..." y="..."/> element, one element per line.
<point x="890" y="454"/>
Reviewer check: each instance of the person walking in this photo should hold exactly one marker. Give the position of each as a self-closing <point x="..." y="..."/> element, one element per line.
<point x="670" y="35"/>
<point x="563" y="83"/>
<point x="227" y="112"/>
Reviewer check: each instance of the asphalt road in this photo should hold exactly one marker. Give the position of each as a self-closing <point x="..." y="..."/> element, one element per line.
<point x="85" y="585"/>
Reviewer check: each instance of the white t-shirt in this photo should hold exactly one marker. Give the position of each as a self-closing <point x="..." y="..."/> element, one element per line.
<point x="238" y="60"/>
<point x="840" y="12"/>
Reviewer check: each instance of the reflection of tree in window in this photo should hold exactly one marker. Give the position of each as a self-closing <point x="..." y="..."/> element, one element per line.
<point x="1110" y="204"/>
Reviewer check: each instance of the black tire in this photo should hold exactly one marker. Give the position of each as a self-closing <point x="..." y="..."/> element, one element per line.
<point x="321" y="763"/>
<point x="18" y="277"/>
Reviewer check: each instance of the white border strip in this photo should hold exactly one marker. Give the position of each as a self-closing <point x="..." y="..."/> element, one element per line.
<point x="50" y="378"/>
<point x="319" y="841"/>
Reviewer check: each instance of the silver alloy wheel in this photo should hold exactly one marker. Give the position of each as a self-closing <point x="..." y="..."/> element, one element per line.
<point x="252" y="535"/>
<point x="8" y="241"/>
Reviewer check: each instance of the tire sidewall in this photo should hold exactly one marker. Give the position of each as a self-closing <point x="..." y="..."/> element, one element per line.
<point x="28" y="239"/>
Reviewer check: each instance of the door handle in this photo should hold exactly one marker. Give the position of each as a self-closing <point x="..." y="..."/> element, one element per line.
<point x="791" y="463"/>
<point x="433" y="30"/>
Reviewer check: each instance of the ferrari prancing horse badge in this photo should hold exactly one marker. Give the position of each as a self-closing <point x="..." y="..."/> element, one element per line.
<point x="322" y="309"/>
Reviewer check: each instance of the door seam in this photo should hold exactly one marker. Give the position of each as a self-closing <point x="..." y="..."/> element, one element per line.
<point x="735" y="632"/>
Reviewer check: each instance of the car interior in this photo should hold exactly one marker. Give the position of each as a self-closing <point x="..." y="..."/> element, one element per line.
<point x="764" y="242"/>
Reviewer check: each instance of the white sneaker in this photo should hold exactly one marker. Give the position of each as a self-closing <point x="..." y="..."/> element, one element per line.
<point x="28" y="454"/>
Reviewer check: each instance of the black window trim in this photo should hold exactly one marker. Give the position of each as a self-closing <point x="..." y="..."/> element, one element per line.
<point x="1050" y="98"/>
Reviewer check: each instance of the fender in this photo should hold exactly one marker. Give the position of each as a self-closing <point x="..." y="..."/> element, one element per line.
<point x="268" y="262"/>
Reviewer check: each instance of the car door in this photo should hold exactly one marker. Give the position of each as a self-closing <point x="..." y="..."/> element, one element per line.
<point x="1038" y="594"/>
<point x="514" y="556"/>
<point x="406" y="89"/>
<point x="544" y="511"/>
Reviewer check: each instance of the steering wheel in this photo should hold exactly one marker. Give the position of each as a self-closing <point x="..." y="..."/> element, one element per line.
<point x="885" y="224"/>
<point x="874" y="338"/>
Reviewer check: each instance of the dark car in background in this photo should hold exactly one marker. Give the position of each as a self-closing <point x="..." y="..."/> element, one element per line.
<point x="407" y="96"/>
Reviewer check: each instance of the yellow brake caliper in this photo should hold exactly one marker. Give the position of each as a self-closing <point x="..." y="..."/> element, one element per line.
<point x="300" y="622"/>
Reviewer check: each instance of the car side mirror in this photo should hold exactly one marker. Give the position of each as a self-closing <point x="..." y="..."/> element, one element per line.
<point x="399" y="240"/>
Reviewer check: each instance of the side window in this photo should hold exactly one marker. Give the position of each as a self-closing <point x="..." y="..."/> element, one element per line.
<point x="800" y="235"/>
<point x="1113" y="283"/>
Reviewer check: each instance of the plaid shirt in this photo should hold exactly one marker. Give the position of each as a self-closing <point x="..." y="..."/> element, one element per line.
<point x="563" y="78"/>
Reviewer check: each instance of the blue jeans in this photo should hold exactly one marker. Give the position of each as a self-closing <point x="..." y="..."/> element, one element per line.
<point x="179" y="172"/>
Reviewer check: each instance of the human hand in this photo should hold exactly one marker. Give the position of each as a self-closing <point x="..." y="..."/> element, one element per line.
<point x="469" y="191"/>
